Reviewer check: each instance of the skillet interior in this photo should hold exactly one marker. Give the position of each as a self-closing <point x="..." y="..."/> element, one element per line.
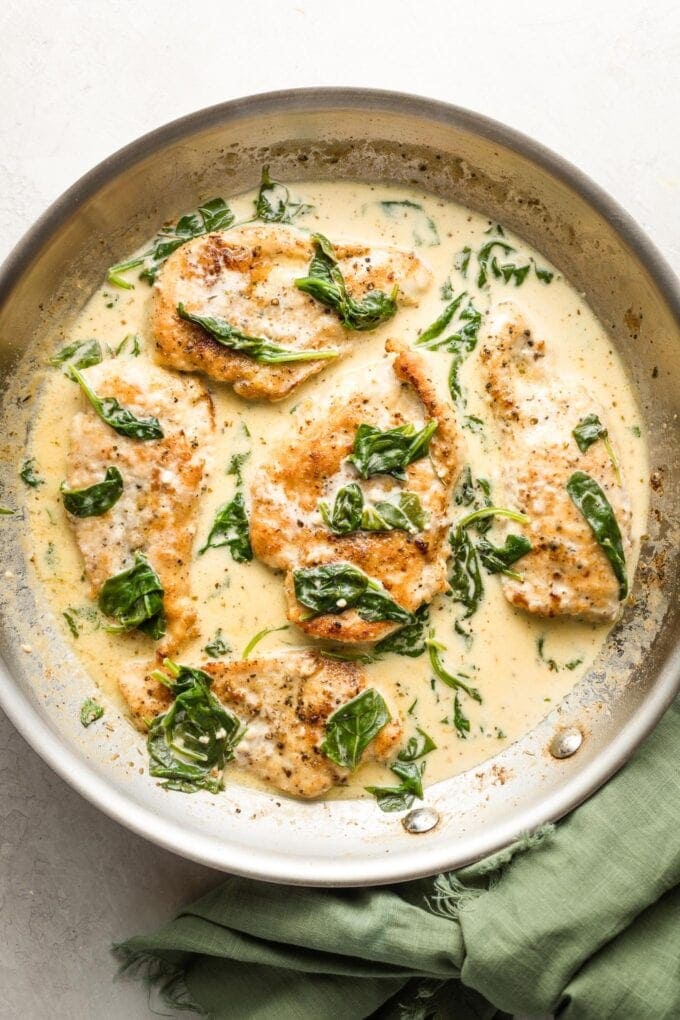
<point x="369" y="136"/>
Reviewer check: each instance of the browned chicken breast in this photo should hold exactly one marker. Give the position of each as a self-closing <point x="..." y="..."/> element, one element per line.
<point x="288" y="531"/>
<point x="566" y="572"/>
<point x="246" y="276"/>
<point x="285" y="701"/>
<point x="162" y="478"/>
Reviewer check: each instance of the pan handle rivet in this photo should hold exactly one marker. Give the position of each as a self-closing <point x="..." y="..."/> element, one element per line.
<point x="420" y="820"/>
<point x="566" y="742"/>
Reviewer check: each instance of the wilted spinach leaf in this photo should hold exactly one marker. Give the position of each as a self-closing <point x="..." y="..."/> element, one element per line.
<point x="423" y="226"/>
<point x="408" y="640"/>
<point x="588" y="431"/>
<point x="326" y="284"/>
<point x="69" y="616"/>
<point x="465" y="577"/>
<point x="135" y="599"/>
<point x="460" y="720"/>
<point x="231" y="528"/>
<point x="461" y="343"/>
<point x="273" y="203"/>
<point x="217" y="646"/>
<point x="79" y="354"/>
<point x="345" y="516"/>
<point x="255" y="640"/>
<point x="499" y="558"/>
<point x="213" y="215"/>
<point x="390" y="451"/>
<point x="132" y="339"/>
<point x="28" y="474"/>
<point x="349" y="513"/>
<point x="95" y="499"/>
<point x="589" y="498"/>
<point x="489" y="262"/>
<point x="352" y="727"/>
<point x="474" y="492"/>
<point x="430" y="337"/>
<point x="336" y="587"/>
<point x="190" y="744"/>
<point x="406" y="515"/>
<point x="400" y="798"/>
<point x="122" y="421"/>
<point x="255" y="347"/>
<point x="418" y="746"/>
<point x="235" y="465"/>
<point x="90" y="711"/>
<point x="457" y="682"/>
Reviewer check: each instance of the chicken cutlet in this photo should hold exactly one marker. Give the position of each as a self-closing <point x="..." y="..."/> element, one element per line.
<point x="289" y="533"/>
<point x="247" y="277"/>
<point x="156" y="513"/>
<point x="566" y="572"/>
<point x="285" y="701"/>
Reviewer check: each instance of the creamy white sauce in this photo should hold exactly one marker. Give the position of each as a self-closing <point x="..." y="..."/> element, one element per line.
<point x="518" y="687"/>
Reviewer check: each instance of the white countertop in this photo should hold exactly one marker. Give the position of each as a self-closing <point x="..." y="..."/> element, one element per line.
<point x="597" y="82"/>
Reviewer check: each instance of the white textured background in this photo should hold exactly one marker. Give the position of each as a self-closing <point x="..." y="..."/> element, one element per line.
<point x="597" y="80"/>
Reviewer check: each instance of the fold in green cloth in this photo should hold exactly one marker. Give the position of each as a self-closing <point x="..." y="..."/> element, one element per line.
<point x="581" y="920"/>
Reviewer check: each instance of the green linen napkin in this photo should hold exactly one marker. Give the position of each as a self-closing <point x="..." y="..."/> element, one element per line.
<point x="581" y="919"/>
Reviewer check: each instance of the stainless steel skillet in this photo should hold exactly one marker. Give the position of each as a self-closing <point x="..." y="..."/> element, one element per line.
<point x="312" y="134"/>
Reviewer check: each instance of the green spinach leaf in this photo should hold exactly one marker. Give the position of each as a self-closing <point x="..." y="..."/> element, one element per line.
<point x="236" y="464"/>
<point x="133" y="340"/>
<point x="213" y="215"/>
<point x="485" y="512"/>
<point x="363" y="657"/>
<point x="389" y="452"/>
<point x="346" y="514"/>
<point x="79" y="354"/>
<point x="408" y="640"/>
<point x="465" y="578"/>
<point x="122" y="421"/>
<point x="423" y="226"/>
<point x="274" y="204"/>
<point x="190" y="744"/>
<point x="255" y="640"/>
<point x="90" y="711"/>
<point x="430" y="337"/>
<point x="457" y="682"/>
<point x="400" y="798"/>
<point x="135" y="599"/>
<point x="467" y="587"/>
<point x="255" y="347"/>
<point x="406" y="515"/>
<point x="336" y="587"/>
<point x="588" y="431"/>
<point x="349" y="513"/>
<point x="352" y="727"/>
<point x="326" y="284"/>
<point x="590" y="500"/>
<point x="460" y="720"/>
<point x="96" y="499"/>
<point x="418" y="746"/>
<point x="28" y="474"/>
<point x="499" y="558"/>
<point x="70" y="617"/>
<point x="231" y="528"/>
<point x="460" y="343"/>
<point x="217" y="646"/>
<point x="490" y="265"/>
<point x="474" y="492"/>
